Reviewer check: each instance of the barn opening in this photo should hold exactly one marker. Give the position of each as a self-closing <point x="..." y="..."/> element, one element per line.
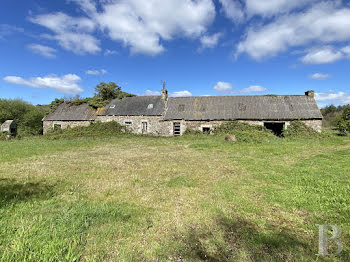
<point x="276" y="128"/>
<point x="206" y="130"/>
<point x="177" y="129"/>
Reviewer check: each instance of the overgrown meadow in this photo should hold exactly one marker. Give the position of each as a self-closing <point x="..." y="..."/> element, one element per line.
<point x="192" y="198"/>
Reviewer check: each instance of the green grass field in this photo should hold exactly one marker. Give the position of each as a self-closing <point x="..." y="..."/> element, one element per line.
<point x="172" y="199"/>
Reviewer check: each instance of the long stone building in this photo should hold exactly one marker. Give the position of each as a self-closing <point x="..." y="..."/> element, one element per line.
<point x="171" y="116"/>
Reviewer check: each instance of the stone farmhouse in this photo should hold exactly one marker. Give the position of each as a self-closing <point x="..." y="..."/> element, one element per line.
<point x="171" y="116"/>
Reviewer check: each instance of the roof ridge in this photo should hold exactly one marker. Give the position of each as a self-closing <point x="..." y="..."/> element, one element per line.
<point x="270" y="95"/>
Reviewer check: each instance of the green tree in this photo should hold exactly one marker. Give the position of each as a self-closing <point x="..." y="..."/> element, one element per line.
<point x="27" y="116"/>
<point x="110" y="91"/>
<point x="107" y="91"/>
<point x="344" y="121"/>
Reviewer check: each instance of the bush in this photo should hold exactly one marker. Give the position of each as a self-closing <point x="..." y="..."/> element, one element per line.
<point x="298" y="129"/>
<point x="192" y="132"/>
<point x="4" y="136"/>
<point x="96" y="129"/>
<point x="343" y="124"/>
<point x="27" y="116"/>
<point x="245" y="132"/>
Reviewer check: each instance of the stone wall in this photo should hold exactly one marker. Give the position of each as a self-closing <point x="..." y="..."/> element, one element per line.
<point x="199" y="125"/>
<point x="155" y="124"/>
<point x="315" y="124"/>
<point x="49" y="125"/>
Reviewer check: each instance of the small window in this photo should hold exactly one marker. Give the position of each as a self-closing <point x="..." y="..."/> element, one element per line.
<point x="57" y="127"/>
<point x="112" y="106"/>
<point x="128" y="123"/>
<point x="150" y="106"/>
<point x="206" y="130"/>
<point x="144" y="126"/>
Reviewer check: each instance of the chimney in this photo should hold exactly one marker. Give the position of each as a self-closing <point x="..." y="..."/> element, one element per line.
<point x="164" y="93"/>
<point x="310" y="93"/>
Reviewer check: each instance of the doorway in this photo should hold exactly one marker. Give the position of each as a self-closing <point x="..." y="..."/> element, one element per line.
<point x="177" y="129"/>
<point x="206" y="130"/>
<point x="144" y="126"/>
<point x="276" y="127"/>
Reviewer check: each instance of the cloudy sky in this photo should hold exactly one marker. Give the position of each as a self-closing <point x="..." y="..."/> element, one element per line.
<point x="63" y="48"/>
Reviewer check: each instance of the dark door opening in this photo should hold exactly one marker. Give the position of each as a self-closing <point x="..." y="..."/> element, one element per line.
<point x="206" y="130"/>
<point x="276" y="128"/>
<point x="177" y="129"/>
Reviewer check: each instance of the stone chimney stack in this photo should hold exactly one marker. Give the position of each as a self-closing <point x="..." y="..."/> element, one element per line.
<point x="164" y="93"/>
<point x="310" y="93"/>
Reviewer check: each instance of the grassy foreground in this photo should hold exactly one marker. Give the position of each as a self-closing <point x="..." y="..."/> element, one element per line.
<point x="172" y="199"/>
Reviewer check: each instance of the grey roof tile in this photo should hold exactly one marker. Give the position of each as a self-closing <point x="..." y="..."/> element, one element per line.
<point x="136" y="106"/>
<point x="243" y="107"/>
<point x="70" y="112"/>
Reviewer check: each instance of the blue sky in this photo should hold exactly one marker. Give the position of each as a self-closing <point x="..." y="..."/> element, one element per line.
<point x="63" y="48"/>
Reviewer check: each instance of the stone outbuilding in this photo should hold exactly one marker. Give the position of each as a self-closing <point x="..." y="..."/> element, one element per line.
<point x="171" y="116"/>
<point x="69" y="115"/>
<point x="10" y="127"/>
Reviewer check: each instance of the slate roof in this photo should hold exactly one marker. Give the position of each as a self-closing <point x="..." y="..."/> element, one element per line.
<point x="70" y="112"/>
<point x="136" y="106"/>
<point x="286" y="107"/>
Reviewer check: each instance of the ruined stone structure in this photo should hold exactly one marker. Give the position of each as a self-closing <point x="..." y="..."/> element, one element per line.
<point x="10" y="127"/>
<point x="171" y="116"/>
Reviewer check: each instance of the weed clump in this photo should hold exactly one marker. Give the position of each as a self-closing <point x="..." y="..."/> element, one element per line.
<point x="298" y="129"/>
<point x="244" y="132"/>
<point x="95" y="129"/>
<point x="4" y="136"/>
<point x="192" y="132"/>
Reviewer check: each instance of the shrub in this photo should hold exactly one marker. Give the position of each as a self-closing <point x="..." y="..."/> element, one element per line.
<point x="192" y="132"/>
<point x="298" y="129"/>
<point x="27" y="116"/>
<point x="96" y="129"/>
<point x="4" y="136"/>
<point x="245" y="132"/>
<point x="343" y="124"/>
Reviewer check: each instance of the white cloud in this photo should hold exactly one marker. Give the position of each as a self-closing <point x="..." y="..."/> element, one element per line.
<point x="43" y="50"/>
<point x="110" y="52"/>
<point x="346" y="51"/>
<point x="223" y="87"/>
<point x="253" y="89"/>
<point x="319" y="76"/>
<point x="6" y="30"/>
<point x="73" y="34"/>
<point x="325" y="22"/>
<point x="233" y="10"/>
<point x="151" y="93"/>
<point x="96" y="72"/>
<point x="333" y="98"/>
<point x="67" y="84"/>
<point x="322" y="55"/>
<point x="210" y="41"/>
<point x="141" y="25"/>
<point x="181" y="93"/>
<point x="273" y="7"/>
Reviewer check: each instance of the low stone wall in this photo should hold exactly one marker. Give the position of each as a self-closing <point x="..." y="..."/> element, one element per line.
<point x="49" y="125"/>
